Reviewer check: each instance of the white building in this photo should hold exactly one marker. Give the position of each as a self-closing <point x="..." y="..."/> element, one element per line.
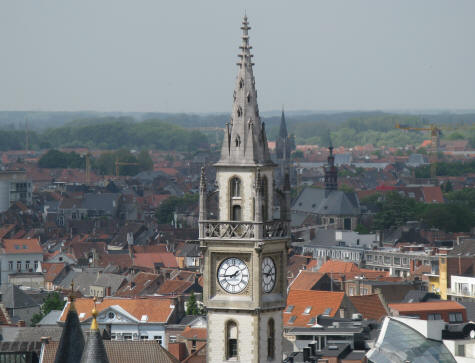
<point x="462" y="288"/>
<point x="128" y="318"/>
<point x="14" y="187"/>
<point x="19" y="256"/>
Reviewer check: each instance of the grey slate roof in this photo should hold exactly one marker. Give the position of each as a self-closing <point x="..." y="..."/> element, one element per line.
<point x="29" y="334"/>
<point x="94" y="351"/>
<point x="83" y="280"/>
<point x="107" y="202"/>
<point x="14" y="298"/>
<point x="327" y="202"/>
<point x="71" y="344"/>
<point x="50" y="319"/>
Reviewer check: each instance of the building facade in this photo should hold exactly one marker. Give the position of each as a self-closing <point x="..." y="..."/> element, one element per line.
<point x="245" y="250"/>
<point x="14" y="187"/>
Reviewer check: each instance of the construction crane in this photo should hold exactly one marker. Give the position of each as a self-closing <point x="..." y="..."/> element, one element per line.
<point x="118" y="164"/>
<point x="435" y="132"/>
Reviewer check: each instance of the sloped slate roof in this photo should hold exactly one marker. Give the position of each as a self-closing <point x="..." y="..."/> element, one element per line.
<point x="327" y="202"/>
<point x="15" y="298"/>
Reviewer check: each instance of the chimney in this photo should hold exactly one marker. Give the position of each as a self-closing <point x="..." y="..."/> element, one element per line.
<point x="306" y="354"/>
<point x="45" y="340"/>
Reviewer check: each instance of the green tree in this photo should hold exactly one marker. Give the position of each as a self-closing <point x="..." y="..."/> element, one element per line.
<point x="395" y="210"/>
<point x="192" y="307"/>
<point x="52" y="302"/>
<point x="166" y="209"/>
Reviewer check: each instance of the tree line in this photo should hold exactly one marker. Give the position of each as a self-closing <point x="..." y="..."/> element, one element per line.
<point x="107" y="133"/>
<point x="105" y="164"/>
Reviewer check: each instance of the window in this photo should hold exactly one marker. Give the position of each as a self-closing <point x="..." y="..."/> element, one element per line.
<point x="387" y="260"/>
<point x="289" y="309"/>
<point x="27" y="265"/>
<point x="248" y="97"/>
<point x="351" y="291"/>
<point x="239" y="111"/>
<point x="144" y="337"/>
<point x="237" y="141"/>
<point x="236" y="213"/>
<point x="312" y="321"/>
<point x="292" y="319"/>
<point x="455" y="317"/>
<point x="241" y="83"/>
<point x="460" y="350"/>
<point x="193" y="344"/>
<point x="270" y="339"/>
<point x="264" y="198"/>
<point x="158" y="338"/>
<point x="231" y="340"/>
<point x="171" y="339"/>
<point x="404" y="261"/>
<point x="347" y="226"/>
<point x="127" y="336"/>
<point x="332" y="220"/>
<point x="307" y="310"/>
<point x="18" y="265"/>
<point x="327" y="311"/>
<point x="36" y="265"/>
<point x="10" y="265"/>
<point x="111" y="315"/>
<point x="397" y="260"/>
<point x="235" y="187"/>
<point x="369" y="258"/>
<point x="113" y="337"/>
<point x="434" y="317"/>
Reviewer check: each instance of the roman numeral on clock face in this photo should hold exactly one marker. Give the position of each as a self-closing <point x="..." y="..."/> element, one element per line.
<point x="233" y="275"/>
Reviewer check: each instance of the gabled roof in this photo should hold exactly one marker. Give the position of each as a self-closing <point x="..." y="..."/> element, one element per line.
<point x="19" y="246"/>
<point x="320" y="302"/>
<point x="157" y="310"/>
<point x="306" y="280"/>
<point x="327" y="202"/>
<point x="369" y="306"/>
<point x="139" y="284"/>
<point x="52" y="270"/>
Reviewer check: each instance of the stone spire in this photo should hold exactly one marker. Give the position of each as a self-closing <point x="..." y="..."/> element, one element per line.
<point x="282" y="145"/>
<point x="71" y="344"/>
<point x="94" y="351"/>
<point x="331" y="172"/>
<point x="245" y="141"/>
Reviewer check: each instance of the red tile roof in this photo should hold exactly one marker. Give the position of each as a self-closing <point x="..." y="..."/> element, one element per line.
<point x="334" y="266"/>
<point x="444" y="305"/>
<point x="21" y="246"/>
<point x="369" y="306"/>
<point x="306" y="280"/>
<point x="195" y="333"/>
<point x="52" y="270"/>
<point x="149" y="259"/>
<point x="158" y="310"/>
<point x="319" y="301"/>
<point x="174" y="287"/>
<point x="433" y="194"/>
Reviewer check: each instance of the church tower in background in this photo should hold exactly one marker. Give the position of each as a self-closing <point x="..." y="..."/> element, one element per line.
<point x="245" y="249"/>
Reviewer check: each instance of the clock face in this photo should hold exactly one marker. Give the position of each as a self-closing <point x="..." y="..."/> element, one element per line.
<point x="268" y="274"/>
<point x="233" y="275"/>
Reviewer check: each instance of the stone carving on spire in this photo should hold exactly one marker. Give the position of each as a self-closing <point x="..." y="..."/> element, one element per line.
<point x="244" y="141"/>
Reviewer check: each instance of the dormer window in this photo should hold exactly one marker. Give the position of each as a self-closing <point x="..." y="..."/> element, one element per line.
<point x="307" y="310"/>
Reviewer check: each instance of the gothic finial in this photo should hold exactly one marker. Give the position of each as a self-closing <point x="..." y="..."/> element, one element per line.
<point x="94" y="325"/>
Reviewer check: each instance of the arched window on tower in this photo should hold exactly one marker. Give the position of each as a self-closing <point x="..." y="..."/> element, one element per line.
<point x="235" y="187"/>
<point x="239" y="111"/>
<point x="231" y="340"/>
<point x="270" y="339"/>
<point x="248" y="97"/>
<point x="241" y="83"/>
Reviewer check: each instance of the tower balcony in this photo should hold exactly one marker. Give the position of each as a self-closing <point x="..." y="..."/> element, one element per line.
<point x="213" y="229"/>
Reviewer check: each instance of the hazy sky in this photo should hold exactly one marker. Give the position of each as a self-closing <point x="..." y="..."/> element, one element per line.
<point x="180" y="56"/>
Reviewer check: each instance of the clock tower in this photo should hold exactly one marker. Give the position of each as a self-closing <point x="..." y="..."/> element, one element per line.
<point x="245" y="248"/>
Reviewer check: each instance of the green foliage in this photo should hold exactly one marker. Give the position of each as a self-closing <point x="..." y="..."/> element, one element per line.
<point x="192" y="307"/>
<point x="298" y="154"/>
<point x="105" y="163"/>
<point x="52" y="302"/>
<point x="169" y="206"/>
<point x="362" y="229"/>
<point x="454" y="168"/>
<point x="57" y="159"/>
<point x="393" y="210"/>
<point x="109" y="133"/>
